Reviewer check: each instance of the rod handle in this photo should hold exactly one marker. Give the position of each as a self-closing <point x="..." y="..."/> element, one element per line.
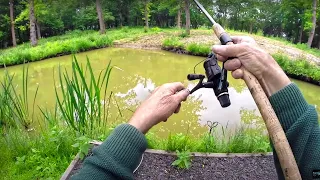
<point x="282" y="147"/>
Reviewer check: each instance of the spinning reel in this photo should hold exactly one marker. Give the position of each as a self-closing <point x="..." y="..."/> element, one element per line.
<point x="217" y="80"/>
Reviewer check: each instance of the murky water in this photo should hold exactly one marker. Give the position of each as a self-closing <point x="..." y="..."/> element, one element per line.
<point x="139" y="72"/>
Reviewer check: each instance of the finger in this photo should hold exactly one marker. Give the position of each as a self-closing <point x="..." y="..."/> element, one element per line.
<point x="237" y="74"/>
<point x="242" y="39"/>
<point x="228" y="51"/>
<point x="177" y="86"/>
<point x="182" y="95"/>
<point x="178" y="109"/>
<point x="221" y="58"/>
<point x="232" y="64"/>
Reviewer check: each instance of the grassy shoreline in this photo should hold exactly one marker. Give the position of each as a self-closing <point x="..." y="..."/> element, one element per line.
<point x="300" y="69"/>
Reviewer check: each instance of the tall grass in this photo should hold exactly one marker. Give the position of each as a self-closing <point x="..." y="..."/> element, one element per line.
<point x="80" y="101"/>
<point x="14" y="109"/>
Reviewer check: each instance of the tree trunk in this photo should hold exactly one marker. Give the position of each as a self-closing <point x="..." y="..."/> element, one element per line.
<point x="187" y="9"/>
<point x="100" y="16"/>
<point x="179" y="18"/>
<point x="33" y="35"/>
<point x="38" y="30"/>
<point x="300" y="34"/>
<point x="251" y="27"/>
<point x="314" y="20"/>
<point x="146" y="14"/>
<point x="13" y="33"/>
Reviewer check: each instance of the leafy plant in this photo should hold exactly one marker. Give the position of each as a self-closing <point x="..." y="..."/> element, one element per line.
<point x="173" y="42"/>
<point x="83" y="145"/>
<point x="183" y="160"/>
<point x="198" y="49"/>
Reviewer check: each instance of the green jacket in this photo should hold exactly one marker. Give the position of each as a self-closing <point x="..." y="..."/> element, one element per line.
<point x="120" y="154"/>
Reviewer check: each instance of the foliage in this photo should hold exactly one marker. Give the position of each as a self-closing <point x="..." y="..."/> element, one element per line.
<point x="83" y="145"/>
<point x="298" y="67"/>
<point x="14" y="109"/>
<point x="81" y="104"/>
<point x="184" y="160"/>
<point x="198" y="49"/>
<point x="173" y="42"/>
<point x="44" y="156"/>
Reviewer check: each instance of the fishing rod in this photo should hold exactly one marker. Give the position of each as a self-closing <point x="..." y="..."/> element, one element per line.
<point x="217" y="80"/>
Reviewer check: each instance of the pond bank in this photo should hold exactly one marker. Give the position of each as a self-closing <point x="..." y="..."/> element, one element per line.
<point x="277" y="57"/>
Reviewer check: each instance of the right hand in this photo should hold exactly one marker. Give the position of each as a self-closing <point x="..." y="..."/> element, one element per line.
<point x="246" y="54"/>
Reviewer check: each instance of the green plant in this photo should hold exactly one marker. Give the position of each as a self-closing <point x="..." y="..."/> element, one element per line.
<point x="198" y="49"/>
<point x="14" y="110"/>
<point x="183" y="160"/>
<point x="184" y="35"/>
<point x="172" y="42"/>
<point x="80" y="102"/>
<point x="83" y="145"/>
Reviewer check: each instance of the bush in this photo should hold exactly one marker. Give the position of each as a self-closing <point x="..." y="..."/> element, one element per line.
<point x="300" y="67"/>
<point x="173" y="42"/>
<point x="198" y="49"/>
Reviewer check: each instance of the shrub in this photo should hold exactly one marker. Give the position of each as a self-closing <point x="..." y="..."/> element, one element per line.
<point x="198" y="49"/>
<point x="173" y="42"/>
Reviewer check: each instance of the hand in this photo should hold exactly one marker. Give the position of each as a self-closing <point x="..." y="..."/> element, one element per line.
<point x="246" y="54"/>
<point x="160" y="105"/>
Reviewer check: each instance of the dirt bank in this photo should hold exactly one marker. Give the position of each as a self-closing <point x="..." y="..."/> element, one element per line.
<point x="206" y="37"/>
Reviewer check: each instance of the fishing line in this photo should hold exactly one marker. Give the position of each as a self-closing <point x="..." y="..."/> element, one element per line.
<point x="194" y="68"/>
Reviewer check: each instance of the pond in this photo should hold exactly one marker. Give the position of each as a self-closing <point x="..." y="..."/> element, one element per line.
<point x="139" y="72"/>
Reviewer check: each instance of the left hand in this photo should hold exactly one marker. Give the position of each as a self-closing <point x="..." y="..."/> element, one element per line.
<point x="160" y="105"/>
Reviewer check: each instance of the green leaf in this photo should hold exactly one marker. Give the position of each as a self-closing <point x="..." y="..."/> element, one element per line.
<point x="76" y="145"/>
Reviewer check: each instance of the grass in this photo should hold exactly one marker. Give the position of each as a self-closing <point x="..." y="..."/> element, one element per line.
<point x="301" y="46"/>
<point x="14" y="109"/>
<point x="243" y="141"/>
<point x="81" y="104"/>
<point x="299" y="67"/>
<point x="71" y="42"/>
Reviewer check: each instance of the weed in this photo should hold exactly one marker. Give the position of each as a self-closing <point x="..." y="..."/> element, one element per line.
<point x="83" y="145"/>
<point x="298" y="67"/>
<point x="80" y="103"/>
<point x="15" y="110"/>
<point x="184" y="35"/>
<point x="183" y="160"/>
<point x="173" y="42"/>
<point x="198" y="49"/>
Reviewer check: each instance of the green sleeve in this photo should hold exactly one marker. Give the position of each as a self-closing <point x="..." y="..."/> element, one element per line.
<point x="117" y="157"/>
<point x="300" y="123"/>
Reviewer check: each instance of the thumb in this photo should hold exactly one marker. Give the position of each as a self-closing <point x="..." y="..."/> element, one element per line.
<point x="182" y="95"/>
<point x="228" y="50"/>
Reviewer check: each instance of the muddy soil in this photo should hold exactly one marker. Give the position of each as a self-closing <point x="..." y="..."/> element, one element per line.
<point x="158" y="166"/>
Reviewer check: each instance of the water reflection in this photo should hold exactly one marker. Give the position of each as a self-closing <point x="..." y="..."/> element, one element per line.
<point x="202" y="106"/>
<point x="212" y="111"/>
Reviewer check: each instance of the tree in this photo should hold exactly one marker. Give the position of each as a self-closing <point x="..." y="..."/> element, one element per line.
<point x="146" y="14"/>
<point x="33" y="35"/>
<point x="101" y="18"/>
<point x="314" y="22"/>
<point x="187" y="11"/>
<point x="13" y="33"/>
<point x="179" y="18"/>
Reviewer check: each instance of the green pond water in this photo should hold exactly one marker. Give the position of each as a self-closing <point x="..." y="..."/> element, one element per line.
<point x="139" y="72"/>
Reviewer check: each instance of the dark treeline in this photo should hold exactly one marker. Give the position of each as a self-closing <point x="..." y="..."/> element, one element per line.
<point x="29" y="20"/>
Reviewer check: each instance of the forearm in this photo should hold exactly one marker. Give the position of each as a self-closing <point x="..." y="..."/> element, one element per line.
<point x="300" y="123"/>
<point x="117" y="157"/>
